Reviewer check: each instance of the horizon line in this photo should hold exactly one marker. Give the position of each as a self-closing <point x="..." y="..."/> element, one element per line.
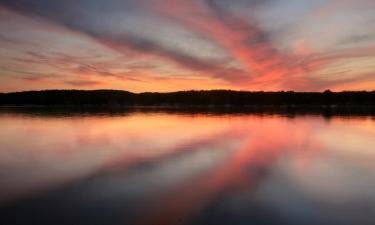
<point x="188" y="90"/>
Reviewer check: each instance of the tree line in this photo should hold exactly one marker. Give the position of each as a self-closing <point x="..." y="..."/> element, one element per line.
<point x="187" y="98"/>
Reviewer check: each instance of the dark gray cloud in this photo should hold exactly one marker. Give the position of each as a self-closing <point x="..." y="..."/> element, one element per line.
<point x="357" y="39"/>
<point x="227" y="4"/>
<point x="6" y="39"/>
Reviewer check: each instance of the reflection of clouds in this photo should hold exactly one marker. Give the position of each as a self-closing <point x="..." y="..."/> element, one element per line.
<point x="168" y="167"/>
<point x="329" y="191"/>
<point x="147" y="179"/>
<point x="330" y="181"/>
<point x="337" y="181"/>
<point x="58" y="150"/>
<point x="349" y="137"/>
<point x="247" y="166"/>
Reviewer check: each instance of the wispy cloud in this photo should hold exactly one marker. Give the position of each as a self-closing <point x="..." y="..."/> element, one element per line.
<point x="67" y="15"/>
<point x="255" y="59"/>
<point x="80" y="83"/>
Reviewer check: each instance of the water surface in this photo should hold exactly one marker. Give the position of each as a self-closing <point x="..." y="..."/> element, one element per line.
<point x="160" y="168"/>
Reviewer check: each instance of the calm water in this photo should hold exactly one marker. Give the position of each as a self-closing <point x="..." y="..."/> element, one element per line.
<point x="169" y="169"/>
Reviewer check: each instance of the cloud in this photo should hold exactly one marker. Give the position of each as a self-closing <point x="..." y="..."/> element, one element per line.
<point x="6" y="39"/>
<point x="357" y="39"/>
<point x="69" y="15"/>
<point x="34" y="78"/>
<point x="256" y="63"/>
<point x="251" y="45"/>
<point x="343" y="83"/>
<point x="317" y="60"/>
<point x="247" y="42"/>
<point x="80" y="83"/>
<point x="143" y="46"/>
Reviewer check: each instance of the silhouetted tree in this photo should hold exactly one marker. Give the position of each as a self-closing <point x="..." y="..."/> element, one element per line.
<point x="187" y="98"/>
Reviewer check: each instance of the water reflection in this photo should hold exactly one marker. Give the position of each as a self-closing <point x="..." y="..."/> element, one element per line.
<point x="169" y="169"/>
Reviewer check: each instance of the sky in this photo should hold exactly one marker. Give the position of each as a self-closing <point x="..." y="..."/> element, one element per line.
<point x="171" y="45"/>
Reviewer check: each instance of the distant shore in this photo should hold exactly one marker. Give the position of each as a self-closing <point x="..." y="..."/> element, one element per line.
<point x="213" y="98"/>
<point x="76" y="102"/>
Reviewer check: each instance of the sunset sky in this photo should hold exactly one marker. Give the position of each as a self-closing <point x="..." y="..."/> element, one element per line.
<point x="170" y="45"/>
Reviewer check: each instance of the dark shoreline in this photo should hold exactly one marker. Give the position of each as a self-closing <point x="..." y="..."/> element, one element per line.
<point x="215" y="98"/>
<point x="75" y="102"/>
<point x="325" y="111"/>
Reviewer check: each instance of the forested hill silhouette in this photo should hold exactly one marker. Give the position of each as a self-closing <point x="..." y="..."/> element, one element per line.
<point x="186" y="98"/>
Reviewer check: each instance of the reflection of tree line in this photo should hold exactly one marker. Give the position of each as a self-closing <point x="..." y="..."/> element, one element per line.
<point x="186" y="98"/>
<point x="245" y="169"/>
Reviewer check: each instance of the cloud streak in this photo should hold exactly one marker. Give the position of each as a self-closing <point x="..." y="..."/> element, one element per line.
<point x="247" y="42"/>
<point x="65" y="14"/>
<point x="255" y="61"/>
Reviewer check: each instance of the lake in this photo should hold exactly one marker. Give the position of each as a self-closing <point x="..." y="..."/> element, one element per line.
<point x="172" y="168"/>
